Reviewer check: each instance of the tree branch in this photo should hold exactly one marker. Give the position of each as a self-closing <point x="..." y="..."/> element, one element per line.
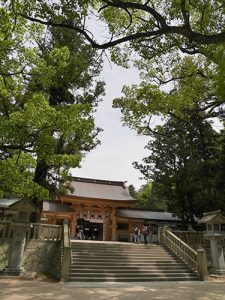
<point x="185" y="30"/>
<point x="143" y="7"/>
<point x="185" y="13"/>
<point x="12" y="74"/>
<point x="90" y="40"/>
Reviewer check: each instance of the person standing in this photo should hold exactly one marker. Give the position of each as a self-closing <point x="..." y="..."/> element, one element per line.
<point x="136" y="234"/>
<point x="139" y="235"/>
<point x="96" y="233"/>
<point x="80" y="235"/>
<point x="145" y="233"/>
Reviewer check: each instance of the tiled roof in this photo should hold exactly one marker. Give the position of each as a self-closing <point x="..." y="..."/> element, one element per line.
<point x="213" y="217"/>
<point x="56" y="206"/>
<point x="7" y="202"/>
<point x="99" y="189"/>
<point x="147" y="215"/>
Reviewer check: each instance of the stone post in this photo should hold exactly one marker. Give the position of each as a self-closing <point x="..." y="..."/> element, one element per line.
<point x="66" y="252"/>
<point x="202" y="264"/>
<point x="217" y="256"/>
<point x="114" y="224"/>
<point x="163" y="239"/>
<point x="16" y="249"/>
<point x="159" y="235"/>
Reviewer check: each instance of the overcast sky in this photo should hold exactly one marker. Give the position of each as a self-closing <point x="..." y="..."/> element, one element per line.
<point x="120" y="146"/>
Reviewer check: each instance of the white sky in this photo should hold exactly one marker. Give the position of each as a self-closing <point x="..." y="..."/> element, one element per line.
<point x="120" y="146"/>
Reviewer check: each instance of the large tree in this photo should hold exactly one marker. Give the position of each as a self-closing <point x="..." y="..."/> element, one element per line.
<point x="49" y="91"/>
<point x="160" y="33"/>
<point x="184" y="166"/>
<point x="181" y="23"/>
<point x="156" y="32"/>
<point x="148" y="198"/>
<point x="185" y="153"/>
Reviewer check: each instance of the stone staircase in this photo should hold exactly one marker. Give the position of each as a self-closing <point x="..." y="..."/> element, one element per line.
<point x="122" y="262"/>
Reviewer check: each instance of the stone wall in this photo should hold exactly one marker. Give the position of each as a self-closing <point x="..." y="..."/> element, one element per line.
<point x="4" y="252"/>
<point x="43" y="256"/>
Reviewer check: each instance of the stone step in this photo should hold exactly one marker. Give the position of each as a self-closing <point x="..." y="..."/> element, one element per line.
<point x="118" y="262"/>
<point x="121" y="256"/>
<point x="118" y="259"/>
<point x="114" y="246"/>
<point x="135" y="265"/>
<point x="112" y="251"/>
<point x="131" y="247"/>
<point x="133" y="279"/>
<point x="127" y="271"/>
<point x="131" y="274"/>
<point x="127" y="267"/>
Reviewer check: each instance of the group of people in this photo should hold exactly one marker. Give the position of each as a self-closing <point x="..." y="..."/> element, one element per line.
<point x="87" y="234"/>
<point x="138" y="232"/>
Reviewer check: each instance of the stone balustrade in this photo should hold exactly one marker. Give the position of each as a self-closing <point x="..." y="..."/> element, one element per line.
<point x="195" y="239"/>
<point x="42" y="251"/>
<point x="45" y="232"/>
<point x="196" y="260"/>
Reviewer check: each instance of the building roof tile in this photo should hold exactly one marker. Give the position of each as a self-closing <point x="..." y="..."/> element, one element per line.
<point x="99" y="189"/>
<point x="54" y="206"/>
<point x="147" y="215"/>
<point x="8" y="202"/>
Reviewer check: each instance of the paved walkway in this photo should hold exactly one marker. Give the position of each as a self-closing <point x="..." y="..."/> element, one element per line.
<point x="36" y="290"/>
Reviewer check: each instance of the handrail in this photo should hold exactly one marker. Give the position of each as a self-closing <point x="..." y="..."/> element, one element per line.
<point x="193" y="238"/>
<point x="196" y="260"/>
<point x="66" y="252"/>
<point x="182" y="242"/>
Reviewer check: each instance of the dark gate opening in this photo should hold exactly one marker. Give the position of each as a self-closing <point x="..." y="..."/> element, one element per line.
<point x="90" y="230"/>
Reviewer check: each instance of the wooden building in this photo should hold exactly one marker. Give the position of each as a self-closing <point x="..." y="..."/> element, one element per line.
<point x="104" y="210"/>
<point x="92" y="205"/>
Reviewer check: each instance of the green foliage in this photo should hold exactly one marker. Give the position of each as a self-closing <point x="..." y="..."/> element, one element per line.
<point x="16" y="178"/>
<point x="48" y="91"/>
<point x="146" y="197"/>
<point x="46" y="106"/>
<point x="132" y="191"/>
<point x="191" y="86"/>
<point x="185" y="167"/>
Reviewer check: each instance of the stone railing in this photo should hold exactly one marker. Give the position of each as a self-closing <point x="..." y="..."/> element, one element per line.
<point x="4" y="230"/>
<point x="194" y="239"/>
<point x="42" y="248"/>
<point x="34" y="231"/>
<point x="196" y="260"/>
<point x="45" y="232"/>
<point x="66" y="252"/>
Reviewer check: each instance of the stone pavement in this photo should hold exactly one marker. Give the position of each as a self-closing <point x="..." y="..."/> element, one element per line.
<point x="36" y="290"/>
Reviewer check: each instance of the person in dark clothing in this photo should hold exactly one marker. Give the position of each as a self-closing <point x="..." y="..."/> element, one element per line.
<point x="145" y="233"/>
<point x="96" y="233"/>
<point x="136" y="234"/>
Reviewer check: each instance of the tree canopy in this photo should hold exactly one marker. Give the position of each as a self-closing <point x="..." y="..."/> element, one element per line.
<point x="49" y="91"/>
<point x="178" y="46"/>
<point x="185" y="167"/>
<point x="147" y="198"/>
<point x="188" y="24"/>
